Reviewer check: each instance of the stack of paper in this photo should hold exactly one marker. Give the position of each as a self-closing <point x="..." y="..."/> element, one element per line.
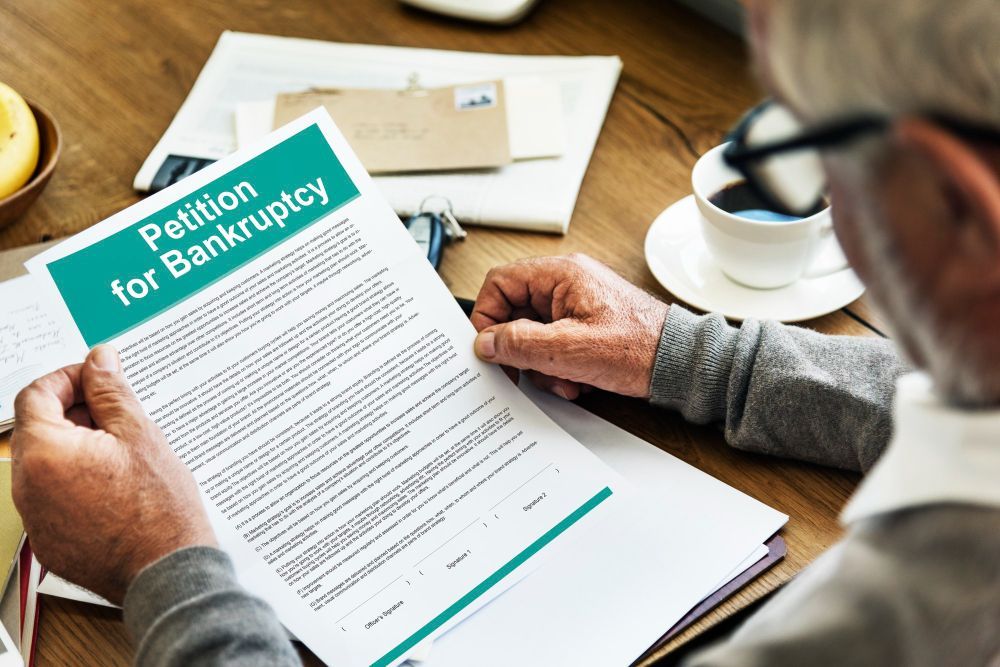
<point x="531" y="194"/>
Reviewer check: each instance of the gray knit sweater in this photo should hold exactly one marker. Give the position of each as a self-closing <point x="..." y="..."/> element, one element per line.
<point x="920" y="587"/>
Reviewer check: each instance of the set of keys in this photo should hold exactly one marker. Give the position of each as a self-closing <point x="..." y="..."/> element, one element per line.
<point x="434" y="227"/>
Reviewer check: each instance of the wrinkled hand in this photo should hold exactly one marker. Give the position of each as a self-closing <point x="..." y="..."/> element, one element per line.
<point x="572" y="322"/>
<point x="101" y="493"/>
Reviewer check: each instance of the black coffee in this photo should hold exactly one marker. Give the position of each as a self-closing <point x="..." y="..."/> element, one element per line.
<point x="740" y="199"/>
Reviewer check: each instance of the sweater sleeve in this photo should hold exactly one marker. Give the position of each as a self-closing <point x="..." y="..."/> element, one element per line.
<point x="780" y="390"/>
<point x="188" y="609"/>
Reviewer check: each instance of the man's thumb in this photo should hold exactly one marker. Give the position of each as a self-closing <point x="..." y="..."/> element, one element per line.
<point x="110" y="400"/>
<point x="523" y="344"/>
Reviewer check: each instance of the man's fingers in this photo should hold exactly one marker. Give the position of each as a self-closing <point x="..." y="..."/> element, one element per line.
<point x="49" y="397"/>
<point x="492" y="305"/>
<point x="45" y="413"/>
<point x="528" y="345"/>
<point x="112" y="404"/>
<point x="527" y="284"/>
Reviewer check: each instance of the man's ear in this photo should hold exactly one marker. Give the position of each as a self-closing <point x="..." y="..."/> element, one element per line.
<point x="969" y="177"/>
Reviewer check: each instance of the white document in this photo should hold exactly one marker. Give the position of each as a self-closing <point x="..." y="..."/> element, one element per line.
<point x="533" y="194"/>
<point x="607" y="595"/>
<point x="371" y="478"/>
<point x="535" y="127"/>
<point x="534" y="118"/>
<point x="32" y="341"/>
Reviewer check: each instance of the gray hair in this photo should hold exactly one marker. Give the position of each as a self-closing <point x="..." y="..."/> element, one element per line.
<point x="889" y="56"/>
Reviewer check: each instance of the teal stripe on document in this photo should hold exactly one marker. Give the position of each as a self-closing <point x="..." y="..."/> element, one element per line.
<point x="492" y="580"/>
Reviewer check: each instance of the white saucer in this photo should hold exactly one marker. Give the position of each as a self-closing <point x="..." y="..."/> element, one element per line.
<point x="679" y="260"/>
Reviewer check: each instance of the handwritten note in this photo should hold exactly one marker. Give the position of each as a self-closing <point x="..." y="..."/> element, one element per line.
<point x="32" y="341"/>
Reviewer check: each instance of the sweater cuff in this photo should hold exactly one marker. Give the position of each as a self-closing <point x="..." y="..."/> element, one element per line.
<point x="175" y="579"/>
<point x="694" y="360"/>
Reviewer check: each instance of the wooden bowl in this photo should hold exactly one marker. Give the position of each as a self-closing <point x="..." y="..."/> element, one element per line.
<point x="15" y="204"/>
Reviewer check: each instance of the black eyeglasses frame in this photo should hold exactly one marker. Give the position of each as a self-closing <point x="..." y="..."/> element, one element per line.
<point x="740" y="156"/>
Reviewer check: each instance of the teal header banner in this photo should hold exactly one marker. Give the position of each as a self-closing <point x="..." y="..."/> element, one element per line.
<point x="148" y="267"/>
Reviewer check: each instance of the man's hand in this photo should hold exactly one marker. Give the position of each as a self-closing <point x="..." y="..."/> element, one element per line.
<point x="573" y="322"/>
<point x="101" y="493"/>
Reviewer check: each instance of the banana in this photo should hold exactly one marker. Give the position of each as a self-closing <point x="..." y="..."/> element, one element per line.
<point x="18" y="141"/>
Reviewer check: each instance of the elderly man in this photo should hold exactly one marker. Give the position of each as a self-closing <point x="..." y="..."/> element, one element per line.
<point x="916" y="579"/>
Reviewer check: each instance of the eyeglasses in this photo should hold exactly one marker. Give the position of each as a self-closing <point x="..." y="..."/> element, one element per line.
<point x="780" y="159"/>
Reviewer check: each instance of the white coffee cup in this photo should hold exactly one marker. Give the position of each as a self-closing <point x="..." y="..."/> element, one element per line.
<point x="761" y="254"/>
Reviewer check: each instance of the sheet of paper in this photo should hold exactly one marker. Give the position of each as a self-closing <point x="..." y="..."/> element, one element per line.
<point x="436" y="129"/>
<point x="253" y="121"/>
<point x="32" y="341"/>
<point x="372" y="479"/>
<point x="607" y="595"/>
<point x="534" y="118"/>
<point x="532" y="194"/>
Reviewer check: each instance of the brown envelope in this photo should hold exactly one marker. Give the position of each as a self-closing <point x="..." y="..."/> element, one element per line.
<point x="459" y="127"/>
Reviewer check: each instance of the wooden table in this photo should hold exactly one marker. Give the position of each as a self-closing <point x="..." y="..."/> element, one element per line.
<point x="114" y="74"/>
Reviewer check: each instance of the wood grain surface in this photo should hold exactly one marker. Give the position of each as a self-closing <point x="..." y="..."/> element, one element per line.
<point x="114" y="73"/>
